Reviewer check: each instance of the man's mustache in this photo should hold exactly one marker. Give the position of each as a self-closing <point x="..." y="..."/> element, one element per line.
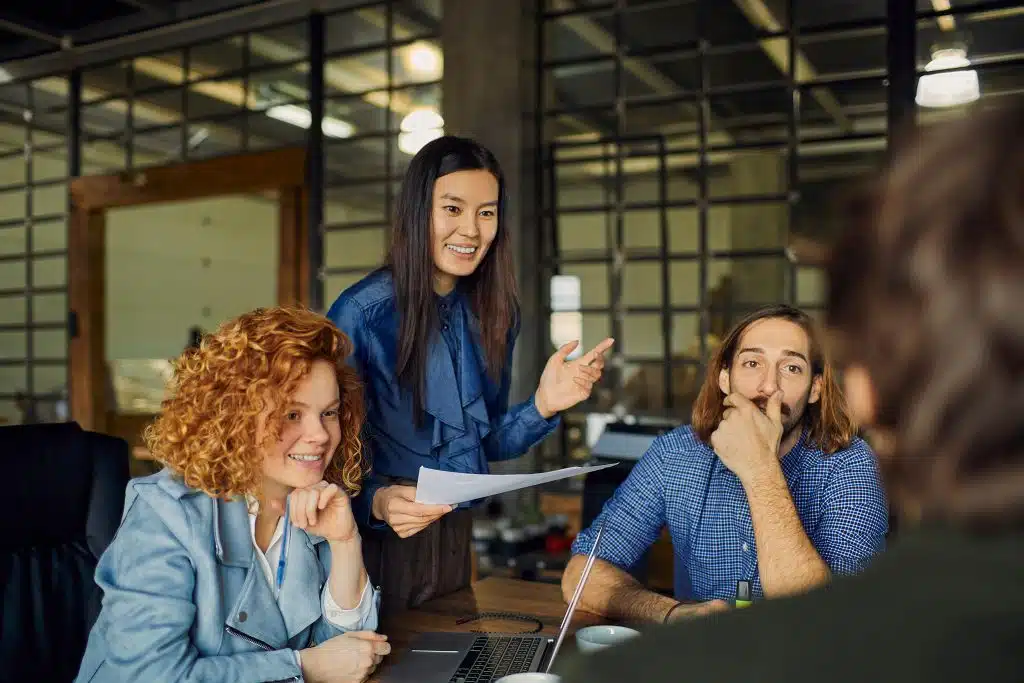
<point x="762" y="403"/>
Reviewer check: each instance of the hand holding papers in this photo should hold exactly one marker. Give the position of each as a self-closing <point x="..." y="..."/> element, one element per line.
<point x="439" y="488"/>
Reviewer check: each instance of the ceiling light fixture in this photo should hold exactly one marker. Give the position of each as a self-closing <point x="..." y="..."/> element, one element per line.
<point x="419" y="127"/>
<point x="424" y="60"/>
<point x="948" y="88"/>
<point x="301" y="117"/>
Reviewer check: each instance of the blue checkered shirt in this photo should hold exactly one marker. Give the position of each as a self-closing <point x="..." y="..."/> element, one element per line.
<point x="682" y="483"/>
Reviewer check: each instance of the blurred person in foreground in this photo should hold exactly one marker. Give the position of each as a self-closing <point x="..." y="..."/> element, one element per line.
<point x="769" y="484"/>
<point x="926" y="305"/>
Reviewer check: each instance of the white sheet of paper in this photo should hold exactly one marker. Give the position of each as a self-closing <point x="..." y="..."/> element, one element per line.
<point x="435" y="487"/>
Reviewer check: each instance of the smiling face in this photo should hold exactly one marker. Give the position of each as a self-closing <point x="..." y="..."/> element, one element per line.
<point x="310" y="433"/>
<point x="463" y="223"/>
<point x="774" y="354"/>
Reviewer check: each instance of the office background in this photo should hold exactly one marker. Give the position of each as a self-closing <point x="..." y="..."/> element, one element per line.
<point x="673" y="165"/>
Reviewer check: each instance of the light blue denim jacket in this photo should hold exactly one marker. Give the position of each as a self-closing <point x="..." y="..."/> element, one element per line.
<point x="185" y="598"/>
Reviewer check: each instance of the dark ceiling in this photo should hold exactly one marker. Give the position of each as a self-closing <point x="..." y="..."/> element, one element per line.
<point x="840" y="62"/>
<point x="32" y="27"/>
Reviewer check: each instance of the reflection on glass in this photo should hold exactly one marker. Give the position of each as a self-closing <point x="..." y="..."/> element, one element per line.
<point x="641" y="284"/>
<point x="213" y="98"/>
<point x="156" y="147"/>
<point x="414" y="18"/>
<point x="593" y="282"/>
<point x="109" y="80"/>
<point x="275" y="86"/>
<point x="215" y="138"/>
<point x="582" y="234"/>
<point x="749" y="281"/>
<point x="354" y="29"/>
<point x="355" y="204"/>
<point x="643" y="337"/>
<point x="356" y="73"/>
<point x="279" y="44"/>
<point x="220" y="57"/>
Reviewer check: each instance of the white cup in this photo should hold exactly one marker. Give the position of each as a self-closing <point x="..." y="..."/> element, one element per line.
<point x="530" y="678"/>
<point x="594" y="638"/>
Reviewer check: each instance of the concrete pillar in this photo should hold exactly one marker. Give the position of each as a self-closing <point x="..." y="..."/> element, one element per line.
<point x="489" y="94"/>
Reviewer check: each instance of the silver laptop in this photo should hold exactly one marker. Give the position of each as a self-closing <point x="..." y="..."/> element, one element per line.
<point x="482" y="657"/>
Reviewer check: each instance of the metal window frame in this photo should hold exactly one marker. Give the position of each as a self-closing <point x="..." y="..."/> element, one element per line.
<point x="899" y="75"/>
<point x="388" y="133"/>
<point x="76" y="63"/>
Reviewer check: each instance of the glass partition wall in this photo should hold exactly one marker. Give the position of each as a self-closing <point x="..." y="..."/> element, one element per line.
<point x="691" y="155"/>
<point x="694" y="154"/>
<point x="368" y="71"/>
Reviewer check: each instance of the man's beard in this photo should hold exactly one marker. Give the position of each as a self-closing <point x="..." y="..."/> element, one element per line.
<point x="762" y="404"/>
<point x="788" y="424"/>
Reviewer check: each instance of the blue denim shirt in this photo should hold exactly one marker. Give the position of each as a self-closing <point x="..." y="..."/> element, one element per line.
<point x="185" y="599"/>
<point x="468" y="421"/>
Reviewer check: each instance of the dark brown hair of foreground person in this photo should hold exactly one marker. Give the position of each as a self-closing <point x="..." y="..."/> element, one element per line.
<point x="927" y="294"/>
<point x="249" y="368"/>
<point x="829" y="423"/>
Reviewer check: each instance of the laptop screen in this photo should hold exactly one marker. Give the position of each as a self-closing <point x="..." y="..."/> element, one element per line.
<point x="567" y="619"/>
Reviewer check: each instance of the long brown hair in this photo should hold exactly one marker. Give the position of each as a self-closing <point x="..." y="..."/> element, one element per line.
<point x="926" y="293"/>
<point x="830" y="427"/>
<point x="492" y="286"/>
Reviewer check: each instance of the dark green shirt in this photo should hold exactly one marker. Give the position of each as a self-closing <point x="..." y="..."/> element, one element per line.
<point x="938" y="606"/>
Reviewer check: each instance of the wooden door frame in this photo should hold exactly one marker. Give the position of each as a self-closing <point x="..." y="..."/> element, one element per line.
<point x="282" y="170"/>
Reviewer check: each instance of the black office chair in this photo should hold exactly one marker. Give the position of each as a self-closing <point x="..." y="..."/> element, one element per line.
<point x="63" y="493"/>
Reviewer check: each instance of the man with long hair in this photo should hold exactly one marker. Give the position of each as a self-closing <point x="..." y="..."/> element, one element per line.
<point x="769" y="485"/>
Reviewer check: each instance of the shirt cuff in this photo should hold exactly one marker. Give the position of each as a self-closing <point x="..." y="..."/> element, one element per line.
<point x="348" y="619"/>
<point x="533" y="416"/>
<point x="298" y="659"/>
<point x="362" y="505"/>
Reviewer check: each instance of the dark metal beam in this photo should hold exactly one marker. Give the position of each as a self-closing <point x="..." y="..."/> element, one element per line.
<point x="149" y="6"/>
<point x="315" y="162"/>
<point x="902" y="67"/>
<point x="23" y="27"/>
<point x="193" y="21"/>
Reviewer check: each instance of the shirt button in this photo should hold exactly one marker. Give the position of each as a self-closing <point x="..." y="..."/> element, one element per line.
<point x="242" y="616"/>
<point x="746" y="547"/>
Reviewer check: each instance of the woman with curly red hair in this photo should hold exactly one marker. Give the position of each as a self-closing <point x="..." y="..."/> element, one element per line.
<point x="241" y="560"/>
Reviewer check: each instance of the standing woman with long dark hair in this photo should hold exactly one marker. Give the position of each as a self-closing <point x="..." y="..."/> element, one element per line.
<point x="434" y="330"/>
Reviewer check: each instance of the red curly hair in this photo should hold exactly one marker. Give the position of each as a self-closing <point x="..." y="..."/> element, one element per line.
<point x="250" y="367"/>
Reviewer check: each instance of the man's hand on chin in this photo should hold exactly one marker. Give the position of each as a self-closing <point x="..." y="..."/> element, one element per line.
<point x="746" y="439"/>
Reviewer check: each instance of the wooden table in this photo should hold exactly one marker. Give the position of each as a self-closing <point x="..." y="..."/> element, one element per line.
<point x="541" y="600"/>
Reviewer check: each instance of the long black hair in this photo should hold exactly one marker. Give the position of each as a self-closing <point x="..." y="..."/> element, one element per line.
<point x="491" y="288"/>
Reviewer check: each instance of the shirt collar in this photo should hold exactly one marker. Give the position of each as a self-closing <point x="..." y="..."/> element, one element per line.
<point x="450" y="299"/>
<point x="251" y="504"/>
<point x="793" y="461"/>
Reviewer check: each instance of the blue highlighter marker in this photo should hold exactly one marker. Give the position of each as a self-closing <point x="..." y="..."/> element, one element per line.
<point x="284" y="548"/>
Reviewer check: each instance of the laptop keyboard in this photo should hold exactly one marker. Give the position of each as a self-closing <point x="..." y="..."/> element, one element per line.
<point x="491" y="657"/>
